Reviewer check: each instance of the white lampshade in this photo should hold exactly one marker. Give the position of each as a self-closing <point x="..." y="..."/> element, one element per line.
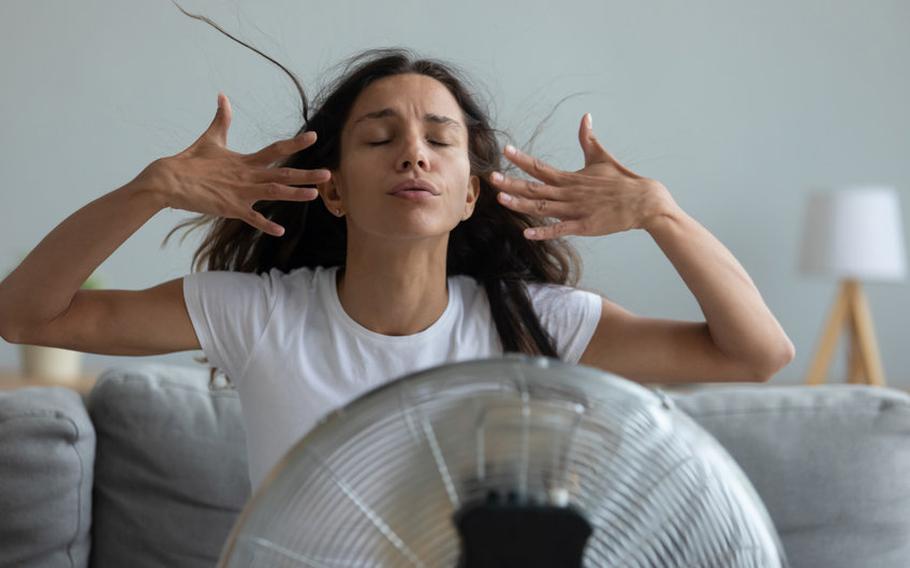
<point x="854" y="232"/>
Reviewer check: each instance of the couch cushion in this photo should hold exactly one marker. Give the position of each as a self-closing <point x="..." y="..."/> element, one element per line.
<point x="171" y="471"/>
<point x="47" y="453"/>
<point x="830" y="463"/>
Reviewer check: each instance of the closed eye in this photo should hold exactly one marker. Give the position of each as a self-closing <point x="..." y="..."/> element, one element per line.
<point x="381" y="142"/>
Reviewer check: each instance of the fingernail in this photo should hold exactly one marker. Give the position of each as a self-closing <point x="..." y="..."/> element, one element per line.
<point x="496" y="176"/>
<point x="510" y="150"/>
<point x="590" y="120"/>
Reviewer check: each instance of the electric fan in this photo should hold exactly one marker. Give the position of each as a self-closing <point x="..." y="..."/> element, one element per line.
<point x="508" y="462"/>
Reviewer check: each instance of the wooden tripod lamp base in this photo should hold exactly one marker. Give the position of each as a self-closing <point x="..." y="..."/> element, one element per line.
<point x="851" y="309"/>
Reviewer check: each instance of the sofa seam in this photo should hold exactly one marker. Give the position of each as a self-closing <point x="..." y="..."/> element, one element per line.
<point x="35" y="413"/>
<point x="69" y="548"/>
<point x="124" y="377"/>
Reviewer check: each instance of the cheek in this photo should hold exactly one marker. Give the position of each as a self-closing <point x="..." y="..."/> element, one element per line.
<point x="355" y="174"/>
<point x="459" y="171"/>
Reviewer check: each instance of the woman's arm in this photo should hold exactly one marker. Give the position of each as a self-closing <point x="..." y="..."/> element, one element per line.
<point x="741" y="341"/>
<point x="740" y="323"/>
<point x="204" y="178"/>
<point x="44" y="284"/>
<point x="740" y="336"/>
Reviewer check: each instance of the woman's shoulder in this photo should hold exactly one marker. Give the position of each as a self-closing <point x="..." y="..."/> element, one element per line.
<point x="555" y="296"/>
<point x="547" y="288"/>
<point x="539" y="286"/>
<point x="271" y="280"/>
<point x="305" y="281"/>
<point x="535" y="289"/>
<point x="300" y="274"/>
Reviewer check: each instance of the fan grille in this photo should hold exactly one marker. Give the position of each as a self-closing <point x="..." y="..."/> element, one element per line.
<point x="377" y="483"/>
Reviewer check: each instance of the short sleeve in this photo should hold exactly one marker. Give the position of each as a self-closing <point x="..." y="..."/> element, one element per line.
<point x="229" y="311"/>
<point x="569" y="315"/>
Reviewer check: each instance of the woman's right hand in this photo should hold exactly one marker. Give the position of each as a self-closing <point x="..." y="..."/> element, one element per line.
<point x="208" y="178"/>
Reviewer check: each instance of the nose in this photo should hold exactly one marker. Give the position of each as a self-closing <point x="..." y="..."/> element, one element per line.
<point x="413" y="155"/>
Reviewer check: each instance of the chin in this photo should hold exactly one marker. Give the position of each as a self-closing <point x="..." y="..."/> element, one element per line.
<point x="406" y="230"/>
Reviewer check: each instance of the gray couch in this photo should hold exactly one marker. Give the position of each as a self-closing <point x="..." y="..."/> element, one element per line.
<point x="151" y="470"/>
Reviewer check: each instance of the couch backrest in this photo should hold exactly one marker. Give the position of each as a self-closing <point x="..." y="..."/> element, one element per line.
<point x="171" y="469"/>
<point x="827" y="461"/>
<point x="171" y="476"/>
<point x="830" y="463"/>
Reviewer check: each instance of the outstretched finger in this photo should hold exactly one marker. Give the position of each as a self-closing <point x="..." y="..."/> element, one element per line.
<point x="222" y="121"/>
<point x="281" y="149"/>
<point x="290" y="176"/>
<point x="274" y="191"/>
<point x="217" y="130"/>
<point x="259" y="221"/>
<point x="554" y="231"/>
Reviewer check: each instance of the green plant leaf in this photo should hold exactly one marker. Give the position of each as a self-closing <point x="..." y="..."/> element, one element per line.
<point x="93" y="282"/>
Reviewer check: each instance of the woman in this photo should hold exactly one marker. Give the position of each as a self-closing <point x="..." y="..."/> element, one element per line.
<point x="409" y="252"/>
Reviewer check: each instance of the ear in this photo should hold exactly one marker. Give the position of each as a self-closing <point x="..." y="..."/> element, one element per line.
<point x="328" y="191"/>
<point x="472" y="194"/>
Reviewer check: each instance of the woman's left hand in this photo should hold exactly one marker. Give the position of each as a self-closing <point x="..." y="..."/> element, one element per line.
<point x="602" y="198"/>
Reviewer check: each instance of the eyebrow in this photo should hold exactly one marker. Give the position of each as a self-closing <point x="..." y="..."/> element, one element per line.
<point x="390" y="112"/>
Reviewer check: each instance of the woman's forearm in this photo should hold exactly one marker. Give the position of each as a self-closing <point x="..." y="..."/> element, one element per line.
<point x="46" y="281"/>
<point x="741" y="324"/>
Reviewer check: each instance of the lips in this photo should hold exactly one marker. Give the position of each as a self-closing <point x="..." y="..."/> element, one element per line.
<point x="415" y="185"/>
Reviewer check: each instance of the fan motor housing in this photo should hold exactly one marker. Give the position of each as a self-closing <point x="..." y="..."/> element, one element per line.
<point x="517" y="532"/>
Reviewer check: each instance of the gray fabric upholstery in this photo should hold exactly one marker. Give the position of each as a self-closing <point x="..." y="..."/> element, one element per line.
<point x="171" y="477"/>
<point x="830" y="463"/>
<point x="47" y="453"/>
<point x="171" y="471"/>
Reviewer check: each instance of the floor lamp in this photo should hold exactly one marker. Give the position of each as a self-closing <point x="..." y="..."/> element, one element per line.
<point x="854" y="234"/>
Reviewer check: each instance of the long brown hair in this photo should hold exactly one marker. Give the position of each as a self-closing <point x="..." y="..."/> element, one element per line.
<point x="489" y="246"/>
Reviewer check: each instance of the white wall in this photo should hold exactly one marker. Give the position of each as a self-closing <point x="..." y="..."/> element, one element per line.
<point x="740" y="108"/>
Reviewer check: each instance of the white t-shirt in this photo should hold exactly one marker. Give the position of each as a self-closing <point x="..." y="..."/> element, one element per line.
<point x="294" y="354"/>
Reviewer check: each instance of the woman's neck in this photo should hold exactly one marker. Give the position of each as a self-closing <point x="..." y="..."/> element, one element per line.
<point x="391" y="301"/>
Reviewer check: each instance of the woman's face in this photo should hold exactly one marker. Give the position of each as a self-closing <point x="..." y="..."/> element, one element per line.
<point x="400" y="128"/>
